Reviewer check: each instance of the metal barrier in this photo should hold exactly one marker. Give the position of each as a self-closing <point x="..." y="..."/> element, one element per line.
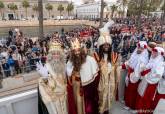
<point x="12" y="71"/>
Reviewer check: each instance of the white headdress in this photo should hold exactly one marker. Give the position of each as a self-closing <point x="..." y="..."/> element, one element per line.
<point x="137" y="58"/>
<point x="156" y="65"/>
<point x="104" y="34"/>
<point x="158" y="60"/>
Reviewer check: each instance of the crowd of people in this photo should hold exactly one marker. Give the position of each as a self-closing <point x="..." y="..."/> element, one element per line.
<point x="96" y="77"/>
<point x="144" y="66"/>
<point x="21" y="53"/>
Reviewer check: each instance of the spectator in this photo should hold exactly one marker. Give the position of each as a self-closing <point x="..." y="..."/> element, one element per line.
<point x="11" y="64"/>
<point x="18" y="61"/>
<point x="4" y="52"/>
<point x="35" y="48"/>
<point x="6" y="67"/>
<point x="10" y="33"/>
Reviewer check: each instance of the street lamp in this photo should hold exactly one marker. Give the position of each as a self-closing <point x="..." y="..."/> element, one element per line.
<point x="40" y="11"/>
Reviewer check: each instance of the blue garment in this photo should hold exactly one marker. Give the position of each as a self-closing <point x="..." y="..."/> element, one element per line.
<point x="5" y="66"/>
<point x="10" y="61"/>
<point x="34" y="49"/>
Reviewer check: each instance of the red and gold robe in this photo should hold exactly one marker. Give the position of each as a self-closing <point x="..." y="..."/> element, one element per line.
<point x="82" y="88"/>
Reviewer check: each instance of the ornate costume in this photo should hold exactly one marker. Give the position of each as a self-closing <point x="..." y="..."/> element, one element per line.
<point x="107" y="83"/>
<point x="134" y="65"/>
<point x="160" y="91"/>
<point x="147" y="87"/>
<point x="52" y="86"/>
<point x="82" y="85"/>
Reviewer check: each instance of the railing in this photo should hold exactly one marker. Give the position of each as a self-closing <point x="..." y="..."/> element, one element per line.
<point x="13" y="71"/>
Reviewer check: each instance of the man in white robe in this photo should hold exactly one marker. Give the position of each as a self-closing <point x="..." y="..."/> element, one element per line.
<point x="52" y="84"/>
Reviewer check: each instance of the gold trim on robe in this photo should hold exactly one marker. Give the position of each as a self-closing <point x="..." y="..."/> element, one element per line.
<point x="78" y="98"/>
<point x="106" y="87"/>
<point x="56" y="103"/>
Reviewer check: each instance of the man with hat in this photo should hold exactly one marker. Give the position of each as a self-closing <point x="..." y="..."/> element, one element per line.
<point x="52" y="85"/>
<point x="82" y="73"/>
<point x="107" y="84"/>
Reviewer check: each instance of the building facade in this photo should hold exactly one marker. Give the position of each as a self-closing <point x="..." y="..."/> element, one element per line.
<point x="88" y="11"/>
<point x="92" y="10"/>
<point x="32" y="14"/>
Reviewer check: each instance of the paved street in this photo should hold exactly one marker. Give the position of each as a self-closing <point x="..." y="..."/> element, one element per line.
<point x="118" y="109"/>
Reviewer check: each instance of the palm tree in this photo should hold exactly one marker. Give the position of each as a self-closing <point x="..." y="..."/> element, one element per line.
<point x="49" y="7"/>
<point x="69" y="8"/>
<point x="13" y="7"/>
<point x="60" y="9"/>
<point x="26" y="5"/>
<point x="133" y="8"/>
<point x="113" y="9"/>
<point x="101" y="13"/>
<point x="120" y="13"/>
<point x="2" y="6"/>
<point x="40" y="17"/>
<point x="124" y="4"/>
<point x="35" y="8"/>
<point x="163" y="15"/>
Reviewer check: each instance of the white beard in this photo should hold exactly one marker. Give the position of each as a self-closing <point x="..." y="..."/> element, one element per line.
<point x="57" y="66"/>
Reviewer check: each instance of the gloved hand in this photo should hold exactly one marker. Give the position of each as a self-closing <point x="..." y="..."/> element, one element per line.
<point x="42" y="70"/>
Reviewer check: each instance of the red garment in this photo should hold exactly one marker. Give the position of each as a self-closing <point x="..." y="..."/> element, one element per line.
<point x="144" y="105"/>
<point x="157" y="98"/>
<point x="130" y="92"/>
<point x="163" y="35"/>
<point x="123" y="66"/>
<point x="131" y="95"/>
<point x="71" y="104"/>
<point x="90" y="97"/>
<point x="145" y="72"/>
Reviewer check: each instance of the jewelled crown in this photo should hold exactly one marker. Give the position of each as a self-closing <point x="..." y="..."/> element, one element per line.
<point x="75" y="44"/>
<point x="54" y="45"/>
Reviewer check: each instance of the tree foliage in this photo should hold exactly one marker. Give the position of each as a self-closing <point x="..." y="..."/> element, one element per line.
<point x="2" y="5"/>
<point x="13" y="7"/>
<point x="60" y="9"/>
<point x="69" y="8"/>
<point x="49" y="7"/>
<point x="26" y="5"/>
<point x="148" y="6"/>
<point x="35" y="7"/>
<point x="163" y="7"/>
<point x="113" y="9"/>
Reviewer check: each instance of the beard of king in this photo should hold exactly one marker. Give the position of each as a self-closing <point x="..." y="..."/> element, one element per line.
<point x="57" y="63"/>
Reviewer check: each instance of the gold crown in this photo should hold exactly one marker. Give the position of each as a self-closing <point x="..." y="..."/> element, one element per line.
<point x="54" y="46"/>
<point x="75" y="44"/>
